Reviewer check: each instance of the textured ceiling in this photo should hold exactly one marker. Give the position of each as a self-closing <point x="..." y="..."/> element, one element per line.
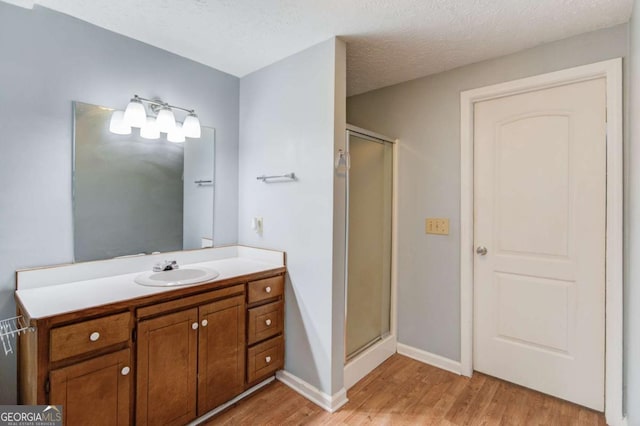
<point x="389" y="41"/>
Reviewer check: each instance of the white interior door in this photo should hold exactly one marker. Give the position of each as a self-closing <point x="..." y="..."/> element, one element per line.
<point x="539" y="210"/>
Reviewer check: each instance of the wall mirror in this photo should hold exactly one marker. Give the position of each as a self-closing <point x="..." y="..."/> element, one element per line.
<point x="133" y="195"/>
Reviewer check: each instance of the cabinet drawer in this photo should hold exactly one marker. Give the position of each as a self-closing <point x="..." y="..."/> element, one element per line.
<point x="265" y="321"/>
<point x="266" y="289"/>
<point x="87" y="336"/>
<point x="265" y="359"/>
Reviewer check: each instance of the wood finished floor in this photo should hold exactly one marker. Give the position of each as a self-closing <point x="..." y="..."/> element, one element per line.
<point x="406" y="392"/>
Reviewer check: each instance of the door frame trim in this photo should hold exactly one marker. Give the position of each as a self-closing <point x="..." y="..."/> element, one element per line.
<point x="611" y="70"/>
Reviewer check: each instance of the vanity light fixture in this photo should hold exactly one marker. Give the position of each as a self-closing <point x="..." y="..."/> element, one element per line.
<point x="191" y="126"/>
<point x="165" y="120"/>
<point x="176" y="135"/>
<point x="135" y="115"/>
<point x="150" y="129"/>
<point x="117" y="124"/>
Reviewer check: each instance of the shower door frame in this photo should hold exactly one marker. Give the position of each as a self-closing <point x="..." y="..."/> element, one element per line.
<point x="376" y="353"/>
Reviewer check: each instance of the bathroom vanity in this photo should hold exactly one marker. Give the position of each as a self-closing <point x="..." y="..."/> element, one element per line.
<point x="115" y="352"/>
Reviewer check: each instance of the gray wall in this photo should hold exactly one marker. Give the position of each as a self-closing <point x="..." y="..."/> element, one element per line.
<point x="288" y="124"/>
<point x="425" y="115"/>
<point x="49" y="60"/>
<point x="632" y="256"/>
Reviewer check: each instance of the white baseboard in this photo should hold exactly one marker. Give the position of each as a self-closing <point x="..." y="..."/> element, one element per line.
<point x="228" y="404"/>
<point x="429" y="358"/>
<point x="330" y="403"/>
<point x="619" y="421"/>
<point x="365" y="362"/>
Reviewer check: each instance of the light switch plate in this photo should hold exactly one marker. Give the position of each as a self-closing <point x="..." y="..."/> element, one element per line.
<point x="437" y="226"/>
<point x="257" y="224"/>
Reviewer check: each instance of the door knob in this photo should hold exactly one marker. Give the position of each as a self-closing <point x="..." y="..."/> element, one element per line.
<point x="194" y="325"/>
<point x="125" y="371"/>
<point x="205" y="322"/>
<point x="481" y="250"/>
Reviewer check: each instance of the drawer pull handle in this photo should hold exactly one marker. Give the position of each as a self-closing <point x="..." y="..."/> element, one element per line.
<point x="94" y="336"/>
<point x="194" y="325"/>
<point x="268" y="322"/>
<point x="268" y="359"/>
<point x="125" y="371"/>
<point x="205" y="322"/>
<point x="267" y="289"/>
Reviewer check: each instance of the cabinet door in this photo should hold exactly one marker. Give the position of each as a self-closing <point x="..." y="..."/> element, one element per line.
<point x="221" y="357"/>
<point x="166" y="369"/>
<point x="94" y="392"/>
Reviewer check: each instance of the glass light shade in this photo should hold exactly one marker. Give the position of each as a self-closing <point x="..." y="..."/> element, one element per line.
<point x="135" y="115"/>
<point x="150" y="129"/>
<point x="176" y="135"/>
<point x="191" y="126"/>
<point x="166" y="120"/>
<point x="117" y="124"/>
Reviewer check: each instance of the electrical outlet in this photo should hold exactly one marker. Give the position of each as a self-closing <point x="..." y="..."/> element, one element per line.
<point x="437" y="226"/>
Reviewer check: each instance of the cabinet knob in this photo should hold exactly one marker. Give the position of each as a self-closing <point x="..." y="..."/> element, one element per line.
<point x="267" y="359"/>
<point x="204" y="322"/>
<point x="125" y="371"/>
<point x="94" y="336"/>
<point x="267" y="289"/>
<point x="194" y="325"/>
<point x="268" y="322"/>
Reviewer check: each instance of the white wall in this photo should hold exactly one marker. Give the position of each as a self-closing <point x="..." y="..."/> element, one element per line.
<point x="49" y="60"/>
<point x="632" y="217"/>
<point x="288" y="124"/>
<point x="425" y="115"/>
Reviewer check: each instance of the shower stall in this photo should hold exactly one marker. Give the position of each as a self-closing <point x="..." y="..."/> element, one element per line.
<point x="369" y="268"/>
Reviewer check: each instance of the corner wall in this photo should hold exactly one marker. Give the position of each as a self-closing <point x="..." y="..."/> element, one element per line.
<point x="48" y="61"/>
<point x="425" y="115"/>
<point x="290" y="120"/>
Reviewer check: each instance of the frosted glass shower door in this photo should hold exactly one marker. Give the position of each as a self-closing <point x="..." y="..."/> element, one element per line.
<point x="370" y="183"/>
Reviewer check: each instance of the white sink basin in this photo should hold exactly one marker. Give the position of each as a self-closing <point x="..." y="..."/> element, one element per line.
<point x="177" y="277"/>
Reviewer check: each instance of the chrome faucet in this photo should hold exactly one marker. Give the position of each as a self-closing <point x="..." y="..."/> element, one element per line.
<point x="167" y="265"/>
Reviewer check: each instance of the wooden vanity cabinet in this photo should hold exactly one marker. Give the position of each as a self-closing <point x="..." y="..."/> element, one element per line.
<point x="221" y="353"/>
<point x="83" y="364"/>
<point x="94" y="392"/>
<point x="163" y="359"/>
<point x="190" y="361"/>
<point x="265" y="328"/>
<point x="167" y="358"/>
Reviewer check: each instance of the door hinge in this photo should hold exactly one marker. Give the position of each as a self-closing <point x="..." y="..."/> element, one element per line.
<point x="47" y="386"/>
<point x="134" y="335"/>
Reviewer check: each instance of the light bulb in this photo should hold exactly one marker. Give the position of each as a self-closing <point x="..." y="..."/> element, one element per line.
<point x="135" y="115"/>
<point x="150" y="129"/>
<point x="176" y="135"/>
<point x="117" y="124"/>
<point x="191" y="126"/>
<point x="166" y="120"/>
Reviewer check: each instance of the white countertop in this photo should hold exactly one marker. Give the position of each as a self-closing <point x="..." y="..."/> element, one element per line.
<point x="50" y="300"/>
